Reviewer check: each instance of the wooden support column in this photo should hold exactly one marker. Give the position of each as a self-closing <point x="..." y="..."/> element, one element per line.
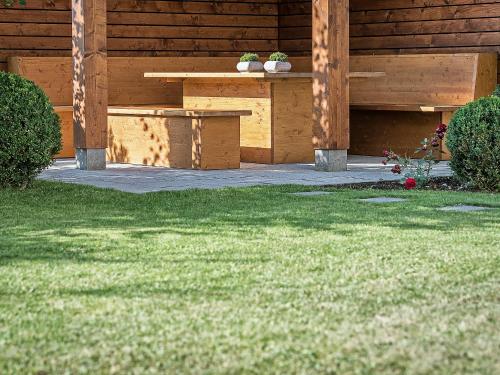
<point x="90" y="84"/>
<point x="330" y="54"/>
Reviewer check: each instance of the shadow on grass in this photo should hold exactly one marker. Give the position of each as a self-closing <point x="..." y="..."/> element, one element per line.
<point x="68" y="223"/>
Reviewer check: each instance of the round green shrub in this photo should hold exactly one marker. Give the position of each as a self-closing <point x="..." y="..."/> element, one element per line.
<point x="497" y="91"/>
<point x="30" y="132"/>
<point x="474" y="143"/>
<point x="278" y="56"/>
<point x="249" y="57"/>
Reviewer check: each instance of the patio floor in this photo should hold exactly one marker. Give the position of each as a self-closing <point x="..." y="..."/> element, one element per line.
<point x="141" y="179"/>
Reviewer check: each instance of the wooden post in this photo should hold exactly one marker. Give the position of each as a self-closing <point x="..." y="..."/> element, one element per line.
<point x="90" y="86"/>
<point x="330" y="53"/>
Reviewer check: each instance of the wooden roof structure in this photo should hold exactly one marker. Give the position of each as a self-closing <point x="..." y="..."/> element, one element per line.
<point x="330" y="61"/>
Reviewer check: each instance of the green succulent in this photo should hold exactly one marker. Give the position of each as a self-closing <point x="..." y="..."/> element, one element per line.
<point x="249" y="57"/>
<point x="278" y="56"/>
<point x="9" y="3"/>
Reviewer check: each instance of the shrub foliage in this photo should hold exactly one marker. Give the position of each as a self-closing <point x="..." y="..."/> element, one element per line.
<point x="278" y="56"/>
<point x="9" y="3"/>
<point x="30" y="133"/>
<point x="474" y="143"/>
<point x="497" y="91"/>
<point x="249" y="57"/>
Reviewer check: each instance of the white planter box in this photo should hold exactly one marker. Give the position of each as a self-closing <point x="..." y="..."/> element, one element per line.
<point x="251" y="66"/>
<point x="277" y="67"/>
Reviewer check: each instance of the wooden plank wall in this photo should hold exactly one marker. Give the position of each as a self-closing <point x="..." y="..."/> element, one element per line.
<point x="222" y="28"/>
<point x="146" y="28"/>
<point x="402" y="26"/>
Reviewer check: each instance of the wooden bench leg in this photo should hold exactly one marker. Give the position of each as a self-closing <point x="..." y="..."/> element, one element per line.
<point x="68" y="150"/>
<point x="216" y="143"/>
<point x="176" y="142"/>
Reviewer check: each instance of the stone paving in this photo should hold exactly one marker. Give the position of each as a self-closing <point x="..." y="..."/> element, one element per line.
<point x="464" y="208"/>
<point x="311" y="193"/>
<point x="141" y="179"/>
<point x="383" y="200"/>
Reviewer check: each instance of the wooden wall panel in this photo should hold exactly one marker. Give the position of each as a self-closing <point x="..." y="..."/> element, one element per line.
<point x="402" y="26"/>
<point x="146" y="28"/>
<point x="295" y="21"/>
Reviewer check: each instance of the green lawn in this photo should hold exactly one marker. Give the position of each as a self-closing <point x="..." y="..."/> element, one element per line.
<point x="247" y="281"/>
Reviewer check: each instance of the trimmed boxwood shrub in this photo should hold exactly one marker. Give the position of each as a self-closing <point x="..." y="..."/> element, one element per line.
<point x="30" y="132"/>
<point x="497" y="91"/>
<point x="474" y="143"/>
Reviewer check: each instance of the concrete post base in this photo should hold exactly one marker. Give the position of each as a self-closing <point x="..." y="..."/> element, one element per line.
<point x="331" y="160"/>
<point x="90" y="159"/>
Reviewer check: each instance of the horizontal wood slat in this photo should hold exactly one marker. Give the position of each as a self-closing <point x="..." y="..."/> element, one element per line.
<point x="145" y="28"/>
<point x="229" y="28"/>
<point x="127" y="85"/>
<point x="401" y="26"/>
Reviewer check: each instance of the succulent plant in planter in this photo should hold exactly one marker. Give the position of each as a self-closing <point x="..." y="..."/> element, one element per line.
<point x="9" y="3"/>
<point x="249" y="62"/>
<point x="278" y="63"/>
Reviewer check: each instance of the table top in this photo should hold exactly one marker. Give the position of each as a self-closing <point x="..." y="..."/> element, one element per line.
<point x="256" y="75"/>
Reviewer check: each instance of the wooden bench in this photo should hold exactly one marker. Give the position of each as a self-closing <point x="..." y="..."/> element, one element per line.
<point x="418" y="92"/>
<point x="176" y="138"/>
<point x="127" y="86"/>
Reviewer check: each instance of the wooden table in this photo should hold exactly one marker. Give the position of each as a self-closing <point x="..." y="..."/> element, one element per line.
<point x="280" y="128"/>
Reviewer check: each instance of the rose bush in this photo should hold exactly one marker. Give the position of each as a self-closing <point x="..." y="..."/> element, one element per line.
<point x="417" y="172"/>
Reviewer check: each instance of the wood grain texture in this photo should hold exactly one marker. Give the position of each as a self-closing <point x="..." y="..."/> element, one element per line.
<point x="127" y="85"/>
<point x="90" y="80"/>
<point x="216" y="142"/>
<point x="426" y="80"/>
<point x="175" y="142"/>
<point x="375" y="131"/>
<point x="66" y="116"/>
<point x="173" y="112"/>
<point x="145" y="28"/>
<point x="330" y="54"/>
<point x="233" y="95"/>
<point x="401" y="26"/>
<point x="292" y="122"/>
<point x="436" y="85"/>
<point x="280" y="128"/>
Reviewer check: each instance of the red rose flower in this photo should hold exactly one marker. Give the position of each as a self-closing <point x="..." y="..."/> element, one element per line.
<point x="410" y="183"/>
<point x="386" y="153"/>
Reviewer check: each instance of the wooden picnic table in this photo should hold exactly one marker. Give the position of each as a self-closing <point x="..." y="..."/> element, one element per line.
<point x="280" y="128"/>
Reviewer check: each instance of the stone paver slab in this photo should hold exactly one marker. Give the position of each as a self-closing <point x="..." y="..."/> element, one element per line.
<point x="383" y="200"/>
<point x="464" y="208"/>
<point x="311" y="193"/>
<point x="140" y="179"/>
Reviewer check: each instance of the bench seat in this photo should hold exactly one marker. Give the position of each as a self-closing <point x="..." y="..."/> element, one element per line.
<point x="127" y="85"/>
<point x="157" y="135"/>
<point x="418" y="92"/>
<point x="404" y="107"/>
<point x="174" y="137"/>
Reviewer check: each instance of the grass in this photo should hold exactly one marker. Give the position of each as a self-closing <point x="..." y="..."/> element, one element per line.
<point x="247" y="281"/>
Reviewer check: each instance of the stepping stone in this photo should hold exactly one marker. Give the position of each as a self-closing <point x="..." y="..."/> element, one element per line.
<point x="464" y="208"/>
<point x="311" y="193"/>
<point x="383" y="200"/>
